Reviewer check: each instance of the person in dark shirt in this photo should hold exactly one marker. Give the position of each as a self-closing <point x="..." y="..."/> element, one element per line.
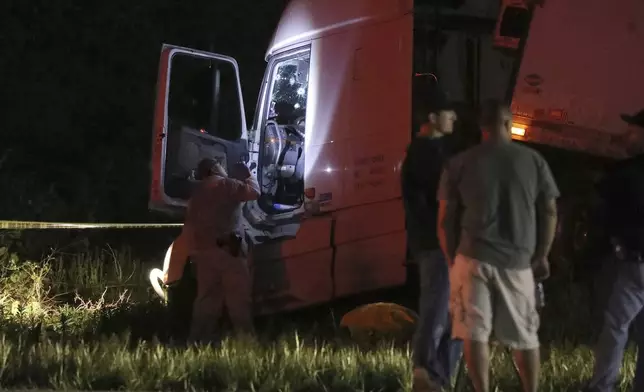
<point x="622" y="194"/>
<point x="435" y="354"/>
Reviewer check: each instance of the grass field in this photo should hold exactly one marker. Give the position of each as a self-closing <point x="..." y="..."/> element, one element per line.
<point x="90" y="321"/>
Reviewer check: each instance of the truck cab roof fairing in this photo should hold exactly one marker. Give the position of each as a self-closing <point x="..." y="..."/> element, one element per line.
<point x="304" y="20"/>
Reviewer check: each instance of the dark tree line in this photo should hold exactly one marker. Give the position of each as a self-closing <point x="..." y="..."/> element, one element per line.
<point x="77" y="92"/>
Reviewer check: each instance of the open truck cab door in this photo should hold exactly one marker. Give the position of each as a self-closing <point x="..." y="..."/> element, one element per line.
<point x="200" y="114"/>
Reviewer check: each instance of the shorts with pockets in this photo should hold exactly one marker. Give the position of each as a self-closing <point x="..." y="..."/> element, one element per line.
<point x="486" y="299"/>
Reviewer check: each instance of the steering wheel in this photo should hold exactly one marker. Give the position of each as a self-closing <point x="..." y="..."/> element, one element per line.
<point x="300" y="121"/>
<point x="279" y="142"/>
<point x="296" y="128"/>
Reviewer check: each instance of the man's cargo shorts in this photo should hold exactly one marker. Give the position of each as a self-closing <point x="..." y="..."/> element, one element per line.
<point x="485" y="298"/>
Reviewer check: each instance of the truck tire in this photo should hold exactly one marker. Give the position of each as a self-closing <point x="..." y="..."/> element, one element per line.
<point x="181" y="297"/>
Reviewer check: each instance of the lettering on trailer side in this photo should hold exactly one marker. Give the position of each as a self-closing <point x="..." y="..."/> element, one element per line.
<point x="369" y="172"/>
<point x="600" y="144"/>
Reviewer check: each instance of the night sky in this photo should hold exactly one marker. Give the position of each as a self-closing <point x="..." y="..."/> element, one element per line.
<point x="77" y="94"/>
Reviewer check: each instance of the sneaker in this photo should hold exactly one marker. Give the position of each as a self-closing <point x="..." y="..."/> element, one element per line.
<point x="421" y="382"/>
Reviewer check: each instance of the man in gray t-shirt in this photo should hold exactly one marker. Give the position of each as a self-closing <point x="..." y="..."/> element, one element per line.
<point x="500" y="190"/>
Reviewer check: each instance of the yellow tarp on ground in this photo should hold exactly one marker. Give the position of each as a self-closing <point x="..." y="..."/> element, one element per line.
<point x="381" y="320"/>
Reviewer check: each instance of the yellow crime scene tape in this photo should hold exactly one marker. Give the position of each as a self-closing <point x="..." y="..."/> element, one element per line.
<point x="21" y="225"/>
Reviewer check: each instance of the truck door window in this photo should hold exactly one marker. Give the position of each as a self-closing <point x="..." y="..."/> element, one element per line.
<point x="281" y="164"/>
<point x="289" y="90"/>
<point x="204" y="96"/>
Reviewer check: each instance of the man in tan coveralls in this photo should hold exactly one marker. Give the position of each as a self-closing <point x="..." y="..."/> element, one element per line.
<point x="211" y="227"/>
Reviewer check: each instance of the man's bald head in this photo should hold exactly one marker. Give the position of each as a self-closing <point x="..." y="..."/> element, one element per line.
<point x="496" y="120"/>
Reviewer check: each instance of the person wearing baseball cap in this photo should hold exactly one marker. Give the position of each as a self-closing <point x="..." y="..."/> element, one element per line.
<point x="622" y="194"/>
<point x="435" y="354"/>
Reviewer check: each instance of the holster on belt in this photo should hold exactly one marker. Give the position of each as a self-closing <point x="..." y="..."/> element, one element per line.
<point x="231" y="243"/>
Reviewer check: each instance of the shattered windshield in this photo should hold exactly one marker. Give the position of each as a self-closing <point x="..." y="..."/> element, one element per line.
<point x="289" y="90"/>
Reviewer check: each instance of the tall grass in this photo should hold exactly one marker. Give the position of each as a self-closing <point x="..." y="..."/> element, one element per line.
<point x="285" y="365"/>
<point x="75" y="294"/>
<point x="76" y="321"/>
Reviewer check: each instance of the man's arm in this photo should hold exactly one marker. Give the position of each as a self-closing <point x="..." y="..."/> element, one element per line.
<point x="447" y="222"/>
<point x="546" y="225"/>
<point x="241" y="184"/>
<point x="447" y="228"/>
<point x="546" y="207"/>
<point x="245" y="190"/>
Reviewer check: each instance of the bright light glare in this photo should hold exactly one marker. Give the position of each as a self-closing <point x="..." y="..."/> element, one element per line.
<point x="328" y="169"/>
<point x="518" y="131"/>
<point x="156" y="276"/>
